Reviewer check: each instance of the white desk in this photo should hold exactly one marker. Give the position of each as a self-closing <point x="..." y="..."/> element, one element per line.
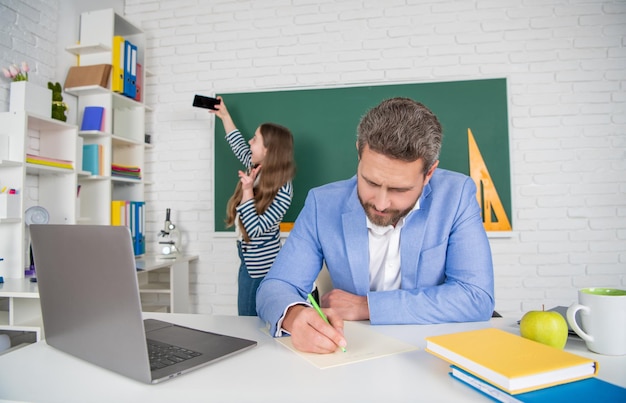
<point x="267" y="373"/>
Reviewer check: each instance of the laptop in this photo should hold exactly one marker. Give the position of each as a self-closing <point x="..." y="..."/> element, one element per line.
<point x="91" y="307"/>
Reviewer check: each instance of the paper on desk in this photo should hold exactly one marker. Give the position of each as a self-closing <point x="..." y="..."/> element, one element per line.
<point x="364" y="343"/>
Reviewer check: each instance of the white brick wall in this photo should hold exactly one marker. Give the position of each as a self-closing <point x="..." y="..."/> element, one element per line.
<point x="565" y="61"/>
<point x="28" y="32"/>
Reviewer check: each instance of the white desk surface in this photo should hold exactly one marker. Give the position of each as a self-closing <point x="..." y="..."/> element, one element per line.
<point x="267" y="373"/>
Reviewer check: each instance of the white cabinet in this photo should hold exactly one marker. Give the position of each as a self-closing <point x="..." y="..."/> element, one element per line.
<point x="22" y="311"/>
<point x="164" y="283"/>
<point x="163" y="286"/>
<point x="122" y="135"/>
<point x="35" y="183"/>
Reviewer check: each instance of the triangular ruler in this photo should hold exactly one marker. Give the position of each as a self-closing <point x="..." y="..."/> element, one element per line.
<point x="494" y="216"/>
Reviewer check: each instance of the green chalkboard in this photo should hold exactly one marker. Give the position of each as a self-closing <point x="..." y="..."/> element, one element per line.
<point x="324" y="122"/>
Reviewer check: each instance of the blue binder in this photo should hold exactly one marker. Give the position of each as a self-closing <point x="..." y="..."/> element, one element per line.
<point x="137" y="227"/>
<point x="130" y="69"/>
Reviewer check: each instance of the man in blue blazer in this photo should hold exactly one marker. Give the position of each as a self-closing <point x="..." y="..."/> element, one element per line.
<point x="403" y="241"/>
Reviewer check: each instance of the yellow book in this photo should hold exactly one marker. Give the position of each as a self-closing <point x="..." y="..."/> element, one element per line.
<point x="510" y="362"/>
<point x="117" y="70"/>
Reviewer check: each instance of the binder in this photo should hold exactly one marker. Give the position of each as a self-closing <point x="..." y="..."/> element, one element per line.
<point x="132" y="224"/>
<point x="137" y="227"/>
<point x="115" y="213"/>
<point x="118" y="212"/>
<point x="139" y="83"/>
<point x="130" y="69"/>
<point x="141" y="236"/>
<point x="117" y="71"/>
<point x="127" y="214"/>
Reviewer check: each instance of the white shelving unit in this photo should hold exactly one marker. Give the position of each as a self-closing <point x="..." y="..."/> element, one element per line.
<point x="123" y="131"/>
<point x="164" y="284"/>
<point x="49" y="187"/>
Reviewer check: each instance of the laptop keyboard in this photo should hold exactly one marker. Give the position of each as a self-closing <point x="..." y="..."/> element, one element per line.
<point x="163" y="355"/>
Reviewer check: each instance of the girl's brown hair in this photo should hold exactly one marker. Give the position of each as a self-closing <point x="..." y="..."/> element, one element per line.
<point x="278" y="168"/>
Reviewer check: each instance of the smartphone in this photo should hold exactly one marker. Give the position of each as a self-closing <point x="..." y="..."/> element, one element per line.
<point x="201" y="101"/>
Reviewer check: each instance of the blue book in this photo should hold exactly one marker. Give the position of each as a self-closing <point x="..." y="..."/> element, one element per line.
<point x="92" y="118"/>
<point x="585" y="390"/>
<point x="91" y="158"/>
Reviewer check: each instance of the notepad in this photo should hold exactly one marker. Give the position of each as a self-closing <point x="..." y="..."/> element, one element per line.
<point x="508" y="361"/>
<point x="364" y="343"/>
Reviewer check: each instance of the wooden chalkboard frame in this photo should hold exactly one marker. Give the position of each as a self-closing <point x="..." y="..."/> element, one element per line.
<point x="324" y="121"/>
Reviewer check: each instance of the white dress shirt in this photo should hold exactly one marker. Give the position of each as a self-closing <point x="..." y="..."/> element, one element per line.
<point x="384" y="249"/>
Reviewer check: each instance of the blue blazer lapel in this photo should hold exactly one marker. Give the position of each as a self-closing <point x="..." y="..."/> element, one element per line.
<point x="356" y="238"/>
<point x="411" y="241"/>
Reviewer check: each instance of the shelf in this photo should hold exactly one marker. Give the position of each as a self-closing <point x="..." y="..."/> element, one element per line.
<point x="145" y="307"/>
<point x="7" y="163"/>
<point x="87" y="90"/>
<point x="93" y="134"/>
<point x="10" y="220"/>
<point x="125" y="180"/>
<point x="22" y="328"/>
<point x="94" y="178"/>
<point x="38" y="169"/>
<point x="123" y="141"/>
<point x="88" y="49"/>
<point x="155" y="288"/>
<point x="20" y="288"/>
<point x="40" y="123"/>
<point x="130" y="102"/>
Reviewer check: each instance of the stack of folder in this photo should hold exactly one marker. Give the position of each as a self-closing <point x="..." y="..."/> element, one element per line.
<point x="125" y="171"/>
<point x="47" y="161"/>
<point x="510" y="368"/>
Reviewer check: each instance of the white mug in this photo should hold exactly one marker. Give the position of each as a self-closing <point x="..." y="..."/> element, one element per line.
<point x="603" y="317"/>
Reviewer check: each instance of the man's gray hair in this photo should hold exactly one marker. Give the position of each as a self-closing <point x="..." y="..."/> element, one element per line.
<point x="401" y="128"/>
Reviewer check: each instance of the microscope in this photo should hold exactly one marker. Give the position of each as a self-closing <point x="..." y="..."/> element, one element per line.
<point x="169" y="239"/>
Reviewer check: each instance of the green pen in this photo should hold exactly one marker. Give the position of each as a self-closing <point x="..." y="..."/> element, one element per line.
<point x="317" y="308"/>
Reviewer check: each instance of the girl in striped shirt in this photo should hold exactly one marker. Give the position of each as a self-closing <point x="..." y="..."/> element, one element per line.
<point x="262" y="197"/>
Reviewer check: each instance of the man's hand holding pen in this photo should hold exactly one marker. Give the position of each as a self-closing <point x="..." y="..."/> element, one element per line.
<point x="311" y="333"/>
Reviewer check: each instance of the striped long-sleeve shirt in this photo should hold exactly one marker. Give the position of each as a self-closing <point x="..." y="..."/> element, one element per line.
<point x="263" y="230"/>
